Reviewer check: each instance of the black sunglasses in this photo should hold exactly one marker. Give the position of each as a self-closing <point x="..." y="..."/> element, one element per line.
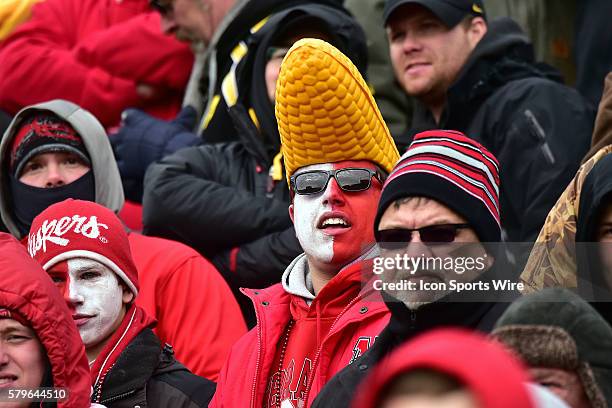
<point x="348" y="179"/>
<point x="162" y="7"/>
<point x="398" y="238"/>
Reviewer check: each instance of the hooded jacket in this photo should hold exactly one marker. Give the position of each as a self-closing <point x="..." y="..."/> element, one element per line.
<point x="93" y="53"/>
<point x="28" y="290"/>
<point x="595" y="195"/>
<point x="238" y="189"/>
<point x="556" y="328"/>
<point x="404" y="325"/>
<point x="492" y="375"/>
<point x="563" y="254"/>
<point x="195" y="309"/>
<point x="538" y="128"/>
<point x="357" y="316"/>
<point x="216" y="61"/>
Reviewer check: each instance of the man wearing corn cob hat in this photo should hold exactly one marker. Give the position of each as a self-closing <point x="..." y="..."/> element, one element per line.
<point x="337" y="151"/>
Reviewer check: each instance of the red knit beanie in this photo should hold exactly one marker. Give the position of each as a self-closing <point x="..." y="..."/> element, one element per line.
<point x="82" y="229"/>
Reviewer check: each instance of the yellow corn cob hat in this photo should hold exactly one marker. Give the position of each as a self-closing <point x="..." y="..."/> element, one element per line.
<point x="325" y="111"/>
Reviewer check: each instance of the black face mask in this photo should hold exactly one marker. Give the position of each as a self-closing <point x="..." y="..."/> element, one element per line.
<point x="30" y="201"/>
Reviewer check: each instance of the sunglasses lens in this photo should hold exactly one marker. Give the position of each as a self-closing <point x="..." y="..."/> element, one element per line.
<point x="353" y="179"/>
<point x="310" y="183"/>
<point x="438" y="234"/>
<point x="393" y="239"/>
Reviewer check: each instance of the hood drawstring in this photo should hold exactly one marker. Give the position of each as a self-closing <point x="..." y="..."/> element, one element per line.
<point x="319" y="339"/>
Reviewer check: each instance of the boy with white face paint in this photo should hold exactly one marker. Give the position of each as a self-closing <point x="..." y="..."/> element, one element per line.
<point x="85" y="249"/>
<point x="336" y="151"/>
<point x="98" y="297"/>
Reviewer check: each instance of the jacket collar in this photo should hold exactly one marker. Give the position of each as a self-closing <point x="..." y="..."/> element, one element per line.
<point x="134" y="367"/>
<point x="296" y="279"/>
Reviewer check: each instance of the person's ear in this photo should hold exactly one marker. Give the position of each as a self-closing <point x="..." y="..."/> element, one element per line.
<point x="127" y="296"/>
<point x="291" y="215"/>
<point x="476" y="30"/>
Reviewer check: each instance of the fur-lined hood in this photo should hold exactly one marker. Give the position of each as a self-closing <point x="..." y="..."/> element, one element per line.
<point x="556" y="328"/>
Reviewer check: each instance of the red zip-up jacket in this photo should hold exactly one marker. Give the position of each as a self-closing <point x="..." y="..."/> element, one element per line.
<point x="245" y="376"/>
<point x="93" y="53"/>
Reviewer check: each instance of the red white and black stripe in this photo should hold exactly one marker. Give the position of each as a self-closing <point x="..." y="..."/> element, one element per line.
<point x="454" y="170"/>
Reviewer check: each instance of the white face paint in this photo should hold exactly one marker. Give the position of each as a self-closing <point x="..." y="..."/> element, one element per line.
<point x="307" y="210"/>
<point x="94" y="296"/>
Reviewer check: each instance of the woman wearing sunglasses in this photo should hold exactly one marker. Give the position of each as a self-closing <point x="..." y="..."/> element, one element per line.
<point x="441" y="200"/>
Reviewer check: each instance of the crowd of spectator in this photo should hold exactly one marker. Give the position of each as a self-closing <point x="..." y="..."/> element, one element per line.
<point x="304" y="203"/>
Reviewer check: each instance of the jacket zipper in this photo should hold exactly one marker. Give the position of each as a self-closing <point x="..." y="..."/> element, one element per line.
<point x="117" y="397"/>
<point x="316" y="360"/>
<point x="260" y="345"/>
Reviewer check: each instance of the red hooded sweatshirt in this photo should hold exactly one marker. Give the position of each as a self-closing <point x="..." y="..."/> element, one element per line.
<point x="338" y="325"/>
<point x="27" y="289"/>
<point x="486" y="369"/>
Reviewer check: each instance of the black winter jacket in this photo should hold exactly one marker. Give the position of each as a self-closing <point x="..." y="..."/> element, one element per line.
<point x="538" y="128"/>
<point x="146" y="375"/>
<point x="220" y="199"/>
<point x="468" y="309"/>
<point x="403" y="326"/>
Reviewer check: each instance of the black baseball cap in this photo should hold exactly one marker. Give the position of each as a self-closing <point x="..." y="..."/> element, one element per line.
<point x="451" y="12"/>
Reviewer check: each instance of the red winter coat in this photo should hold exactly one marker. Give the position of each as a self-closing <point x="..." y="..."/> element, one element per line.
<point x="93" y="53"/>
<point x="187" y="296"/>
<point x="488" y="371"/>
<point x="244" y="378"/>
<point x="27" y="289"/>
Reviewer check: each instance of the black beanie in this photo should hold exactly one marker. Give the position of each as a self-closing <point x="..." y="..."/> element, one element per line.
<point x="44" y="133"/>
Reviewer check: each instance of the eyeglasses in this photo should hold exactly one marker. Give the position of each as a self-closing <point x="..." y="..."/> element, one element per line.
<point x="348" y="179"/>
<point x="162" y="7"/>
<point x="398" y="238"/>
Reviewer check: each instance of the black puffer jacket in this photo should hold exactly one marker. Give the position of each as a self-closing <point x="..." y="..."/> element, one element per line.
<point x="221" y="199"/>
<point x="144" y="376"/>
<point x="538" y="128"/>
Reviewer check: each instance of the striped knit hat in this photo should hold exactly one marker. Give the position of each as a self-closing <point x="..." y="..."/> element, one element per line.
<point x="454" y="170"/>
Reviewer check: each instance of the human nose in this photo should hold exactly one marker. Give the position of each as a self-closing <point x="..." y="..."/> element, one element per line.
<point x="334" y="194"/>
<point x="4" y="356"/>
<point x="72" y="296"/>
<point x="55" y="176"/>
<point x="168" y="25"/>
<point x="416" y="247"/>
<point x="411" y="43"/>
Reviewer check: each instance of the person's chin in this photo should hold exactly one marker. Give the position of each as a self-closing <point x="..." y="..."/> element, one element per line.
<point x="414" y="300"/>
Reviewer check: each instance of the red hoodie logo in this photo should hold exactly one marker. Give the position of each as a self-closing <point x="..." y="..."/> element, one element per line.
<point x="52" y="231"/>
<point x="362" y="345"/>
